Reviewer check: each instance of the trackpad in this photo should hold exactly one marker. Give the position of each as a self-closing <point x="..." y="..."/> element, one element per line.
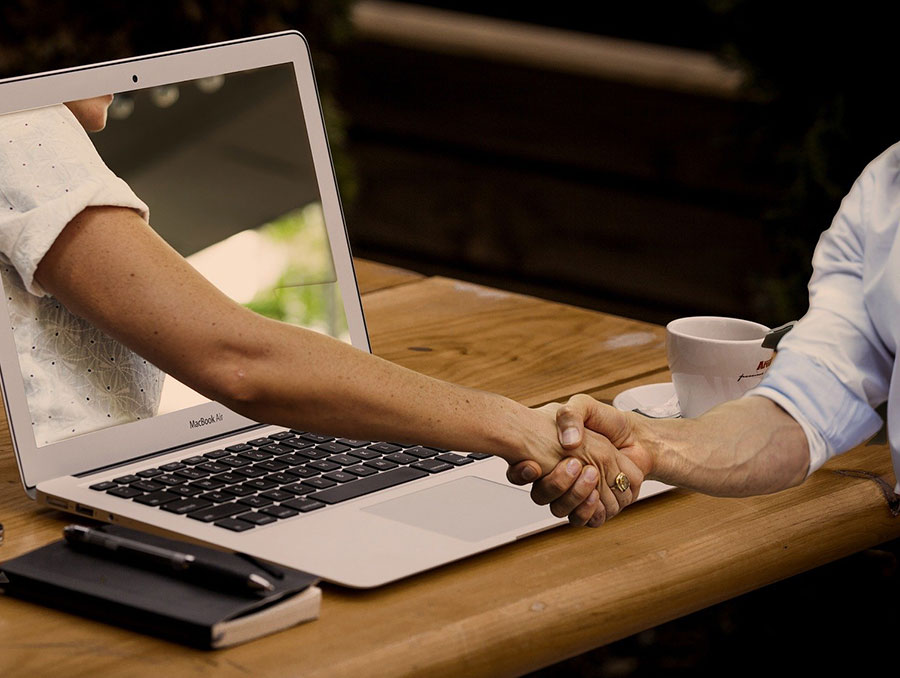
<point x="470" y="508"/>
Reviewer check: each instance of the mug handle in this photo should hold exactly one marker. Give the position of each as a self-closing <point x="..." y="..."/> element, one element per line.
<point x="774" y="336"/>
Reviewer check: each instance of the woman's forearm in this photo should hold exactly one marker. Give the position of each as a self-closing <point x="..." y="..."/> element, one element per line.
<point x="109" y="267"/>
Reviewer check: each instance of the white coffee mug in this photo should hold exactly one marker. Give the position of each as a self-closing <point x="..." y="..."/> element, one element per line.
<point x="714" y="359"/>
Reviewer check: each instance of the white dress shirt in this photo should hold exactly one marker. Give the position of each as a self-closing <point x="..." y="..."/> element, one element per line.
<point x="839" y="362"/>
<point x="77" y="379"/>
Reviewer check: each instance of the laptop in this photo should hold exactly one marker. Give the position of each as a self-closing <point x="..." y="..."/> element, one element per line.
<point x="226" y="145"/>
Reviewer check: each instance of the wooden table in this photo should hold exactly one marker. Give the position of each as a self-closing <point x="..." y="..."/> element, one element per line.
<point x="519" y="607"/>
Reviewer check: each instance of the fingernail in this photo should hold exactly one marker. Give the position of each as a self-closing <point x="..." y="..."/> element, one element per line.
<point x="590" y="475"/>
<point x="570" y="436"/>
<point x="573" y="467"/>
<point x="529" y="474"/>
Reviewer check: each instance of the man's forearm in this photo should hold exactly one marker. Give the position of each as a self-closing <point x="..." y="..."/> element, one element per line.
<point x="741" y="448"/>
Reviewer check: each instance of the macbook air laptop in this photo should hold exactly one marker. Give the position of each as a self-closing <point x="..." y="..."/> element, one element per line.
<point x="227" y="147"/>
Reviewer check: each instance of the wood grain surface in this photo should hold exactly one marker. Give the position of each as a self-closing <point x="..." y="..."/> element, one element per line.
<point x="372" y="276"/>
<point x="526" y="348"/>
<point x="516" y="608"/>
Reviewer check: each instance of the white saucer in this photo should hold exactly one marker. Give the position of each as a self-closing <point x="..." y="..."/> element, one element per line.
<point x="653" y="400"/>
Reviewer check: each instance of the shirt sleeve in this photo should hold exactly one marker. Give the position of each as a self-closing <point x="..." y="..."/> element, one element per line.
<point x="49" y="172"/>
<point x="833" y="368"/>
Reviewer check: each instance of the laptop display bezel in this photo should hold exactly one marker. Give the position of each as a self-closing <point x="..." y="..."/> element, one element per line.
<point x="130" y="441"/>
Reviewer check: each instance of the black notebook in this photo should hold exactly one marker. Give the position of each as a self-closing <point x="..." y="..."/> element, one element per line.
<point x="60" y="576"/>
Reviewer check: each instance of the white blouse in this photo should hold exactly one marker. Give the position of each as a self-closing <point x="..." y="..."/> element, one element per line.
<point x="77" y="379"/>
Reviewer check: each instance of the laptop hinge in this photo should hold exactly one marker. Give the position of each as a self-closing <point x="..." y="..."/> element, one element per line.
<point x="158" y="453"/>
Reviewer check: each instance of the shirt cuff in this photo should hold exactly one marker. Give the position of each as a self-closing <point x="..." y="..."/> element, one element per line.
<point x="43" y="224"/>
<point x="833" y="418"/>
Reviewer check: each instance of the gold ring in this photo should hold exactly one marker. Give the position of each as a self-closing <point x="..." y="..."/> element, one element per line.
<point x="621" y="482"/>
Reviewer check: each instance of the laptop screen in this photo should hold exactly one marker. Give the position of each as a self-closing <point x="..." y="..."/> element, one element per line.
<point x="224" y="166"/>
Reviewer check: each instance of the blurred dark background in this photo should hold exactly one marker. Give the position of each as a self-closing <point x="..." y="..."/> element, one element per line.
<point x="649" y="158"/>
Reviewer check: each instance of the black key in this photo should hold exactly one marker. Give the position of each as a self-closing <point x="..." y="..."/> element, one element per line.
<point x="455" y="459"/>
<point x="400" y="458"/>
<point x="250" y="472"/>
<point x="169" y="480"/>
<point x="260" y="484"/>
<point x="311" y="453"/>
<point x="207" y="515"/>
<point x="174" y="466"/>
<point x="235" y="461"/>
<point x="340" y="476"/>
<point x="277" y="449"/>
<point x="191" y="474"/>
<point x="293" y="460"/>
<point x="436" y="449"/>
<point x="185" y="490"/>
<point x="349" y="442"/>
<point x="239" y="490"/>
<point x="234" y="525"/>
<point x="255" y="501"/>
<point x="364" y="486"/>
<point x="105" y="485"/>
<point x="147" y="486"/>
<point x="277" y="495"/>
<point x="229" y="478"/>
<point x="207" y="484"/>
<point x="315" y="437"/>
<point x="212" y="467"/>
<point x="360" y="470"/>
<point x="124" y="480"/>
<point x="421" y="452"/>
<point x="259" y="442"/>
<point x="240" y="447"/>
<point x="300" y="488"/>
<point x="279" y="511"/>
<point x="333" y="448"/>
<point x="385" y="448"/>
<point x="125" y="492"/>
<point x="217" y="497"/>
<point x="343" y="459"/>
<point x="216" y="454"/>
<point x="380" y="464"/>
<point x="255" y="455"/>
<point x="190" y="461"/>
<point x="479" y="455"/>
<point x="185" y="505"/>
<point x="304" y="504"/>
<point x="323" y="465"/>
<point x="295" y="444"/>
<point x="365" y="454"/>
<point x="156" y="498"/>
<point x="432" y="465"/>
<point x="271" y="465"/>
<point x="150" y="473"/>
<point x="282" y="478"/>
<point x="281" y="435"/>
<point x="256" y="518"/>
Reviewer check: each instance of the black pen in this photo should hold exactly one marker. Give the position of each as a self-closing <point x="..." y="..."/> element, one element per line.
<point x="157" y="558"/>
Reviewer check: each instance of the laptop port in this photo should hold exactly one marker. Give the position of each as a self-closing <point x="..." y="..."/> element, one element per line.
<point x="84" y="510"/>
<point x="57" y="503"/>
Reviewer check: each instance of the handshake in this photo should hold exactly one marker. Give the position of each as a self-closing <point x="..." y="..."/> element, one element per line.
<point x="586" y="460"/>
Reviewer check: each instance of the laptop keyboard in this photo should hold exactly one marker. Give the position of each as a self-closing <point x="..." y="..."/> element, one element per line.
<point x="278" y="477"/>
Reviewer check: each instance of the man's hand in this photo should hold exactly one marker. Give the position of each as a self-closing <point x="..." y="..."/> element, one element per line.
<point x="581" y="485"/>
